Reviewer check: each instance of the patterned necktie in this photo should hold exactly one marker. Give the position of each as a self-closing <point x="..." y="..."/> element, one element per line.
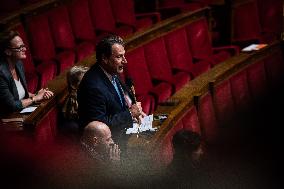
<point x="116" y="86"/>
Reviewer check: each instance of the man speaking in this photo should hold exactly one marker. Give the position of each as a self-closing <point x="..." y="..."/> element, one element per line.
<point x="101" y="95"/>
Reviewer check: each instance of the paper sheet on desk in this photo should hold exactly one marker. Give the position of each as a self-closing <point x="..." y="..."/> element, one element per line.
<point x="28" y="109"/>
<point x="146" y="125"/>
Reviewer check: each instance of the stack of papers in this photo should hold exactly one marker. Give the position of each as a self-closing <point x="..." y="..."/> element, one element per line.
<point x="28" y="109"/>
<point x="146" y="125"/>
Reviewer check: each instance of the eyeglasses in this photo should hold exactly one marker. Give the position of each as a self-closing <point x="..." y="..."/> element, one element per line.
<point x="18" y="49"/>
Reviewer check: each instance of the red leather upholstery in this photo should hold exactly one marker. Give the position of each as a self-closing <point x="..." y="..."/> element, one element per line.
<point x="81" y="21"/>
<point x="42" y="47"/>
<point x="137" y="69"/>
<point x="207" y="118"/>
<point x="159" y="66"/>
<point x="178" y="50"/>
<point x="223" y="102"/>
<point x="64" y="38"/>
<point x="257" y="81"/>
<point x="190" y="120"/>
<point x="245" y="22"/>
<point x="103" y="19"/>
<point x="123" y="11"/>
<point x="240" y="91"/>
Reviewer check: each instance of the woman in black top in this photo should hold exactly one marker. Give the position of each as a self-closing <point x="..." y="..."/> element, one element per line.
<point x="14" y="95"/>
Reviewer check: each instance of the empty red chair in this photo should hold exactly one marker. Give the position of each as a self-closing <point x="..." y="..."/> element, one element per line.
<point x="257" y="81"/>
<point x="123" y="11"/>
<point x="103" y="19"/>
<point x="82" y="27"/>
<point x="190" y="120"/>
<point x="64" y="38"/>
<point x="245" y="22"/>
<point x="178" y="51"/>
<point x="271" y="18"/>
<point x="42" y="47"/>
<point x="207" y="118"/>
<point x="223" y="102"/>
<point x="31" y="74"/>
<point x="201" y="47"/>
<point x="138" y="71"/>
<point x="240" y="91"/>
<point x="159" y="66"/>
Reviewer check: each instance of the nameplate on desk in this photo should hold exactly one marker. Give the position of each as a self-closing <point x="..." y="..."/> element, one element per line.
<point x="15" y="119"/>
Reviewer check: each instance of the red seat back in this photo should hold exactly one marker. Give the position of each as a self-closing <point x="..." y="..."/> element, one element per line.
<point x="207" y="118"/>
<point x="199" y="39"/>
<point x="123" y="11"/>
<point x="157" y="60"/>
<point x="61" y="28"/>
<point x="81" y="25"/>
<point x="42" y="46"/>
<point x="223" y="102"/>
<point x="240" y="91"/>
<point x="245" y="22"/>
<point x="178" y="50"/>
<point x="137" y="69"/>
<point x="102" y="15"/>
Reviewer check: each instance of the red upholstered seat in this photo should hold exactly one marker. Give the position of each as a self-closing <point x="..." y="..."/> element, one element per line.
<point x="207" y="118"/>
<point x="64" y="38"/>
<point x="240" y="91"/>
<point x="190" y="120"/>
<point x="271" y="18"/>
<point x="257" y="81"/>
<point x="42" y="47"/>
<point x="201" y="47"/>
<point x="82" y="27"/>
<point x="245" y="22"/>
<point x="103" y="19"/>
<point x="178" y="50"/>
<point x="159" y="66"/>
<point x="129" y="17"/>
<point x="223" y="102"/>
<point x="137" y="69"/>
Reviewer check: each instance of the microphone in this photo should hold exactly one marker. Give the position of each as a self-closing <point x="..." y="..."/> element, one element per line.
<point x="130" y="85"/>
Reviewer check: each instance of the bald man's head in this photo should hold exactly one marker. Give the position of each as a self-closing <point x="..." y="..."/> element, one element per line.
<point x="98" y="136"/>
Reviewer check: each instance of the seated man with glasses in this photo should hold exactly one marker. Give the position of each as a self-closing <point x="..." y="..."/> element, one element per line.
<point x="14" y="95"/>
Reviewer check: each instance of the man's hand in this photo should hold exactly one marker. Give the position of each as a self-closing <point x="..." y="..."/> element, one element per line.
<point x="114" y="153"/>
<point x="137" y="112"/>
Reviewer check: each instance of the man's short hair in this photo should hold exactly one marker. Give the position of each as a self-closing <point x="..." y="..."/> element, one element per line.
<point x="104" y="47"/>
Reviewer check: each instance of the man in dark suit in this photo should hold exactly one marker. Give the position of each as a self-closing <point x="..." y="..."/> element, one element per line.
<point x="101" y="95"/>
